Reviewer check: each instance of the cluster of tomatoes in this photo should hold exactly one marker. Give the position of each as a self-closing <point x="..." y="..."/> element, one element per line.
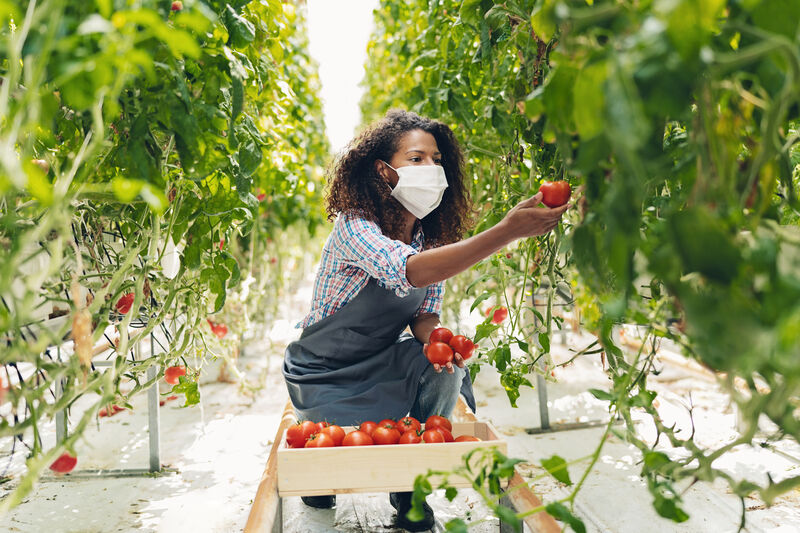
<point x="443" y="345"/>
<point x="407" y="430"/>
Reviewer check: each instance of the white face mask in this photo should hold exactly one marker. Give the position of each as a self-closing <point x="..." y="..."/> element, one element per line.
<point x="419" y="188"/>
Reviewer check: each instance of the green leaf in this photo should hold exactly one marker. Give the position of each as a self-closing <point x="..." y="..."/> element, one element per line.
<point x="668" y="508"/>
<point x="602" y="395"/>
<point x="450" y="493"/>
<point x="189" y="389"/>
<point x="557" y="467"/>
<point x="509" y="517"/>
<point x="544" y="342"/>
<point x="422" y="489"/>
<point x="480" y="299"/>
<point x="656" y="460"/>
<point x="589" y="101"/>
<point x="559" y="511"/>
<point x="704" y="245"/>
<point x="484" y="330"/>
<point x="241" y="31"/>
<point x="456" y="525"/>
<point x="126" y="190"/>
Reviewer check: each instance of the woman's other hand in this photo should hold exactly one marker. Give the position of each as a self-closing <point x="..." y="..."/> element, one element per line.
<point x="457" y="359"/>
<point x="528" y="219"/>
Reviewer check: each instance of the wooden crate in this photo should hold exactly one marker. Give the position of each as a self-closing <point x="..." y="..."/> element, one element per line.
<point x="387" y="468"/>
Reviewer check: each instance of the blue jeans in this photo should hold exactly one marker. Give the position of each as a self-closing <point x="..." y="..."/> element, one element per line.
<point x="437" y="393"/>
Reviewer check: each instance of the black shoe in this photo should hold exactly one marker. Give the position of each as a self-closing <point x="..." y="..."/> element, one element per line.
<point x="402" y="502"/>
<point x="319" y="502"/>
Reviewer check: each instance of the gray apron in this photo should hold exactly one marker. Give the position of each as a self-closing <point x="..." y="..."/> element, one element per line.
<point x="357" y="364"/>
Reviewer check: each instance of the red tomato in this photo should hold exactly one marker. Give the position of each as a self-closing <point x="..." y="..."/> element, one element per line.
<point x="177" y="5"/>
<point x="438" y="353"/>
<point x="125" y="302"/>
<point x="432" y="436"/>
<point x="320" y="440"/>
<point x="408" y="423"/>
<point x="322" y="425"/>
<point x="336" y="433"/>
<point x="65" y="463"/>
<point x="410" y="437"/>
<point x="462" y="345"/>
<point x="106" y="412"/>
<point x="448" y="437"/>
<point x="221" y="243"/>
<point x="500" y="314"/>
<point x="467" y="438"/>
<point x="357" y="438"/>
<point x="294" y="436"/>
<point x="368" y="427"/>
<point x="388" y="422"/>
<point x="436" y="421"/>
<point x="385" y="435"/>
<point x="261" y="197"/>
<point x="554" y="193"/>
<point x="441" y="335"/>
<point x="172" y="374"/>
<point x="220" y="330"/>
<point x="309" y="428"/>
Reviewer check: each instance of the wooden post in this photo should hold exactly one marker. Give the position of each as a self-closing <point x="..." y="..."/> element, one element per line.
<point x="265" y="515"/>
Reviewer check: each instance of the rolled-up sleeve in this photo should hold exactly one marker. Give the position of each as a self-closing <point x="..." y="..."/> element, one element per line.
<point x="360" y="243"/>
<point x="433" y="300"/>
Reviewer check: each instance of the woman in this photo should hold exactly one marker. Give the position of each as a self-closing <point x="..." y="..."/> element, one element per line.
<point x="400" y="206"/>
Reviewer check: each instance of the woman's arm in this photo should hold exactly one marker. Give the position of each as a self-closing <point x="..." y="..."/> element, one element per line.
<point x="524" y="220"/>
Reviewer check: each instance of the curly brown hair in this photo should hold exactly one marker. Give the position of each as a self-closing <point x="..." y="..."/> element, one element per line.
<point x="356" y="188"/>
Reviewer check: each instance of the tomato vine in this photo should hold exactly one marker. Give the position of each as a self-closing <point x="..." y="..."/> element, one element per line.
<point x="151" y="150"/>
<point x="677" y="124"/>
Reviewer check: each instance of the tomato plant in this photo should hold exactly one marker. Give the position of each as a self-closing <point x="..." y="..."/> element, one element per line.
<point x="137" y="151"/>
<point x="681" y="181"/>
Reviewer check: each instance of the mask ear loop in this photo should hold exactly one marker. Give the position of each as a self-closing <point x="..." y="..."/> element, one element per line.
<point x="383" y="179"/>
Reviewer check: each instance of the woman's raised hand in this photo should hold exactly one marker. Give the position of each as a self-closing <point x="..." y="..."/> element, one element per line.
<point x="528" y="219"/>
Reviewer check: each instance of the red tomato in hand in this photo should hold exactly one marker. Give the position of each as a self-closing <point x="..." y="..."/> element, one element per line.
<point x="462" y="345"/>
<point x="65" y="463"/>
<point x="436" y="421"/>
<point x="368" y="427"/>
<point x="410" y="437"/>
<point x="438" y="353"/>
<point x="172" y="374"/>
<point x="385" y="435"/>
<point x="554" y="193"/>
<point x="467" y="438"/>
<point x="320" y="440"/>
<point x="357" y="438"/>
<point x="500" y="314"/>
<point x="408" y="423"/>
<point x="336" y="433"/>
<point x="125" y="302"/>
<point x="440" y="335"/>
<point x="432" y="436"/>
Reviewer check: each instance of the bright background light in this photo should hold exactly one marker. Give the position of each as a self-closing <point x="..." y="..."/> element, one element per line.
<point x="338" y="32"/>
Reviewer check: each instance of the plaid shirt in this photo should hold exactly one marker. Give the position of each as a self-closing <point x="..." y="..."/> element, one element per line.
<point x="355" y="251"/>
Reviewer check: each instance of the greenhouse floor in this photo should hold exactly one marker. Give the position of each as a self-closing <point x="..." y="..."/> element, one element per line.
<point x="217" y="455"/>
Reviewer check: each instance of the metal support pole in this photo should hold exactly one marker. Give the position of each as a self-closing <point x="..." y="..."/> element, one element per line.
<point x="61" y="416"/>
<point x="153" y="415"/>
<point x="544" y="413"/>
